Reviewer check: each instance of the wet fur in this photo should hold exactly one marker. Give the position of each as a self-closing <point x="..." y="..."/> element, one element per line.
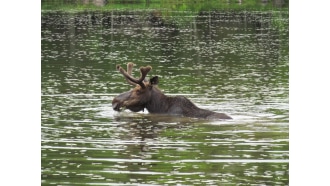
<point x="156" y="102"/>
<point x="179" y="105"/>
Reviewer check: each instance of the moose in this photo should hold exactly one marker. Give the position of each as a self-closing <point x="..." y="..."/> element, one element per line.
<point x="147" y="95"/>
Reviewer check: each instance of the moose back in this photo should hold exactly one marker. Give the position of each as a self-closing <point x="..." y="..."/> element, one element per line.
<point x="146" y="95"/>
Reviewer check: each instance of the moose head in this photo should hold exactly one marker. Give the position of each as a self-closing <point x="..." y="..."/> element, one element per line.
<point x="136" y="99"/>
<point x="147" y="95"/>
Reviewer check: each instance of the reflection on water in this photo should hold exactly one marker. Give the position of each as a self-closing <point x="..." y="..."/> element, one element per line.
<point x="230" y="62"/>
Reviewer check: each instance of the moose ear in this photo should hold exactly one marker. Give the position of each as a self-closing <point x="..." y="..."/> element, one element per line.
<point x="154" y="80"/>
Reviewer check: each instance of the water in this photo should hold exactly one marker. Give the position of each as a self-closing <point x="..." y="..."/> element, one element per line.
<point x="225" y="61"/>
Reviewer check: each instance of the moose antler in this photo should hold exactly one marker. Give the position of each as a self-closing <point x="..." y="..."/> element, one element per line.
<point x="128" y="75"/>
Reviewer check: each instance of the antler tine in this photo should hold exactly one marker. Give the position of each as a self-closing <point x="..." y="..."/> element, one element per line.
<point x="130" y="66"/>
<point x="144" y="71"/>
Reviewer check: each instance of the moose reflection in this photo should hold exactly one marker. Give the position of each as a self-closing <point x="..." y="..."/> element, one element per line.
<point x="147" y="95"/>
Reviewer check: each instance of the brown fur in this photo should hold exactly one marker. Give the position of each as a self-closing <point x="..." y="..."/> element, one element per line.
<point x="147" y="95"/>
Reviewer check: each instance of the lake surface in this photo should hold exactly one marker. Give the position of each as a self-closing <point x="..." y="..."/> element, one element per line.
<point x="235" y="62"/>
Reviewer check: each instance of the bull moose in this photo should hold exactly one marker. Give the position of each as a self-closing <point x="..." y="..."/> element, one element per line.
<point x="147" y="95"/>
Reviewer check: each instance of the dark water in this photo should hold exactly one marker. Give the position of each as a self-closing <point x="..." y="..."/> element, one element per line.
<point x="231" y="62"/>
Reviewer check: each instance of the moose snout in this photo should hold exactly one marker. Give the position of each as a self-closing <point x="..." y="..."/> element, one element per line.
<point x="116" y="106"/>
<point x="119" y="100"/>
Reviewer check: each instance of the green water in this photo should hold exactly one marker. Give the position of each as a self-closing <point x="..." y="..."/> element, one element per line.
<point x="235" y="62"/>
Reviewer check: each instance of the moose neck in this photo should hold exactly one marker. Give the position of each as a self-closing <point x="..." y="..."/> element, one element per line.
<point x="158" y="103"/>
